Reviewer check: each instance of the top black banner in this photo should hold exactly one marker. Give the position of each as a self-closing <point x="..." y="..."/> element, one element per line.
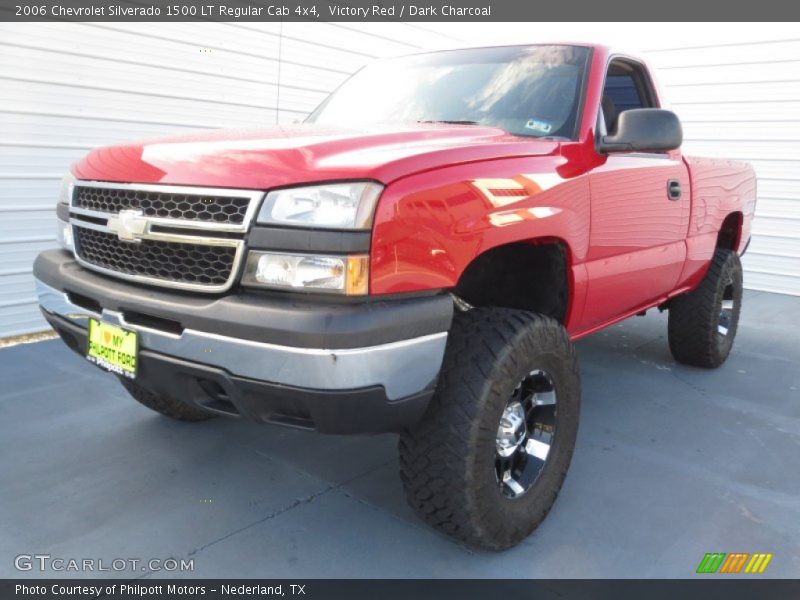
<point x="398" y="10"/>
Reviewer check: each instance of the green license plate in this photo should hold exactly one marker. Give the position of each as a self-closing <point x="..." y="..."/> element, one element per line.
<point x="113" y="348"/>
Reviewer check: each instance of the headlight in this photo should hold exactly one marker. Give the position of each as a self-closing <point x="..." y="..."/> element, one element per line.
<point x="333" y="206"/>
<point x="310" y="272"/>
<point x="64" y="229"/>
<point x="64" y="235"/>
<point x="67" y="183"/>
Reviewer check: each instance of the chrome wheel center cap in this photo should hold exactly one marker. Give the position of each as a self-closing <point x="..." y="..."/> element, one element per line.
<point x="512" y="430"/>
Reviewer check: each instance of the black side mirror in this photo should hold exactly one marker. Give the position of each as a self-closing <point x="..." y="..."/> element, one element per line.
<point x="643" y="130"/>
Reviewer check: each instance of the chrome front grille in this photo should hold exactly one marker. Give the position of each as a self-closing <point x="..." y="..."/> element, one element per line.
<point x="170" y="261"/>
<point x="179" y="237"/>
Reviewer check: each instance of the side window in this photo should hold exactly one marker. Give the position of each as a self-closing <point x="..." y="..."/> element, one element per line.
<point x="623" y="92"/>
<point x="627" y="86"/>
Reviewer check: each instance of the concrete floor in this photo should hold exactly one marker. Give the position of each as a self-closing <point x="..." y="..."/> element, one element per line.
<point x="672" y="462"/>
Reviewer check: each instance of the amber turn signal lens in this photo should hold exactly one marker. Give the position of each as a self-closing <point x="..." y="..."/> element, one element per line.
<point x="357" y="280"/>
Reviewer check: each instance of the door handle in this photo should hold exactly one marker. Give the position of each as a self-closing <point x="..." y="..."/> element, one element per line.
<point x="674" y="189"/>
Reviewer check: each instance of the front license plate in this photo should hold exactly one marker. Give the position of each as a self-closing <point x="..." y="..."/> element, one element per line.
<point x="113" y="348"/>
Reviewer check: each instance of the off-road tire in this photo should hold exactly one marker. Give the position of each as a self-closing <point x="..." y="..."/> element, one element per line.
<point x="169" y="407"/>
<point x="447" y="460"/>
<point x="694" y="318"/>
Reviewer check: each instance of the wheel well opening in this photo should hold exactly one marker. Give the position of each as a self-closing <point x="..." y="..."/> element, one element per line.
<point x="527" y="275"/>
<point x="730" y="231"/>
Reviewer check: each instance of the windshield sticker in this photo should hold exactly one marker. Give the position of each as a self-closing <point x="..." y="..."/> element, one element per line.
<point x="539" y="126"/>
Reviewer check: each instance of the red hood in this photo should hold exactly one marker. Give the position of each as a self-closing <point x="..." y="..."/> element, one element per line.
<point x="301" y="154"/>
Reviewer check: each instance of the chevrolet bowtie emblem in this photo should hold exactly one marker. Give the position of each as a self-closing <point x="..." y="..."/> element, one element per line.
<point x="129" y="225"/>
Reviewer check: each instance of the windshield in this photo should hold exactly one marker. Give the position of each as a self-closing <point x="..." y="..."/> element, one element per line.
<point x="526" y="90"/>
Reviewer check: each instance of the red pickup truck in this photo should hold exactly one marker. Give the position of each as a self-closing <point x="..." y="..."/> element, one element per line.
<point x="417" y="257"/>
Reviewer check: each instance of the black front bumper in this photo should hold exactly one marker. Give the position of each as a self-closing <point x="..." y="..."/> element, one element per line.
<point x="279" y="318"/>
<point x="364" y="410"/>
<point x="253" y="324"/>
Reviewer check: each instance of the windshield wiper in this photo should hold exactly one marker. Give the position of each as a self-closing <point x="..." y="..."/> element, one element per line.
<point x="451" y="122"/>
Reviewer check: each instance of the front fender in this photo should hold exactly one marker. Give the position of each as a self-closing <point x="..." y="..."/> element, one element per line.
<point x="429" y="227"/>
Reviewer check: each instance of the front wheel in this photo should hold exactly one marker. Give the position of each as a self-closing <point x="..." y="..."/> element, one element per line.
<point x="487" y="461"/>
<point x="702" y="324"/>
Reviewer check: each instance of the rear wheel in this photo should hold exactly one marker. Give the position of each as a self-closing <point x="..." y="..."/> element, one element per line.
<point x="488" y="459"/>
<point x="167" y="406"/>
<point x="703" y="323"/>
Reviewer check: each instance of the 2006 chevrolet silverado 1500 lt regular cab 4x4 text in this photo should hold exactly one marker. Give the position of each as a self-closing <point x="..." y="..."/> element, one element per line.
<point x="417" y="257"/>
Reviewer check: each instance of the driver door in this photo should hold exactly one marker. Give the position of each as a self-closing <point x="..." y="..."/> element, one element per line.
<point x="640" y="206"/>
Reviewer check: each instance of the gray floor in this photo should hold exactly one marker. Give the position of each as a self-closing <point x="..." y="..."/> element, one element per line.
<point x="671" y="463"/>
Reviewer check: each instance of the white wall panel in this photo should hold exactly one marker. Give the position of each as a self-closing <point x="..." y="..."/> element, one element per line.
<point x="66" y="88"/>
<point x="735" y="111"/>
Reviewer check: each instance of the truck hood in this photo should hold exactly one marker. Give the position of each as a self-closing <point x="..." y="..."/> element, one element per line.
<point x="301" y="154"/>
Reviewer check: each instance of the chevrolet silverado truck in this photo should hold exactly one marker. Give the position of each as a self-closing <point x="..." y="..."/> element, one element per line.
<point x="417" y="257"/>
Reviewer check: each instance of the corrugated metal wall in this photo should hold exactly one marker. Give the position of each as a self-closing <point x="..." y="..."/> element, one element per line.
<point x="742" y="100"/>
<point x="65" y="88"/>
